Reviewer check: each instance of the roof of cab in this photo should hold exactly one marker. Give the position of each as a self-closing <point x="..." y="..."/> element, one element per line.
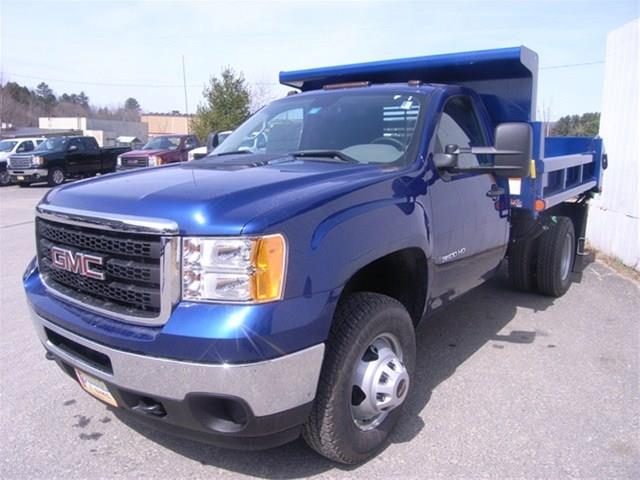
<point x="506" y="78"/>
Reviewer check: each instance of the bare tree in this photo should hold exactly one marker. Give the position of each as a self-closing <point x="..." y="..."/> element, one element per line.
<point x="261" y="94"/>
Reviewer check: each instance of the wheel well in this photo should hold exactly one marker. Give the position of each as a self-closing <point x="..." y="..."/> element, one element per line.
<point x="401" y="275"/>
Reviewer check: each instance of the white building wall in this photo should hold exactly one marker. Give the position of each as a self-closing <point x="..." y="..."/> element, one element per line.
<point x="104" y="131"/>
<point x="63" y="123"/>
<point x="614" y="223"/>
<point x="113" y="129"/>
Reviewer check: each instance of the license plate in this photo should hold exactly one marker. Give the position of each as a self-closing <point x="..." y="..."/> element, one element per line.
<point x="20" y="177"/>
<point x="96" y="387"/>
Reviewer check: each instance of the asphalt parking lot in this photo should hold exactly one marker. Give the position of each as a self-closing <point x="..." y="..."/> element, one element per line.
<point x="508" y="385"/>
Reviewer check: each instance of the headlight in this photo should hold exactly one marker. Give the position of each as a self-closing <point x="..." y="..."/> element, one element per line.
<point x="37" y="161"/>
<point x="119" y="161"/>
<point x="233" y="269"/>
<point x="154" y="161"/>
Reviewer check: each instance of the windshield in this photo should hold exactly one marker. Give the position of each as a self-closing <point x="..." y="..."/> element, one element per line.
<point x="7" y="145"/>
<point x="163" y="143"/>
<point x="369" y="127"/>
<point x="51" y="144"/>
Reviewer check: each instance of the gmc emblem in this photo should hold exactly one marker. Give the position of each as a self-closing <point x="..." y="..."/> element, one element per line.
<point x="80" y="263"/>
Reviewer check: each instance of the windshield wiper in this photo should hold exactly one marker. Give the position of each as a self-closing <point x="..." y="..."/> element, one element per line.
<point x="233" y="152"/>
<point x="324" y="154"/>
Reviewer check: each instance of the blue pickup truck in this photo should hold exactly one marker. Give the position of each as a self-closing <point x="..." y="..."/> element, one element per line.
<point x="248" y="298"/>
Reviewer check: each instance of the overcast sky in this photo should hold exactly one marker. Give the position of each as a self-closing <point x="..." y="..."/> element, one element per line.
<point x="113" y="50"/>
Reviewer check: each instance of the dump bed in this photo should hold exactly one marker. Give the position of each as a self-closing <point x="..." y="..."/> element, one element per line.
<point x="565" y="168"/>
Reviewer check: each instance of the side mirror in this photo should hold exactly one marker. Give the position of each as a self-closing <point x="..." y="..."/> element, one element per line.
<point x="73" y="148"/>
<point x="516" y="138"/>
<point x="212" y="141"/>
<point x="512" y="153"/>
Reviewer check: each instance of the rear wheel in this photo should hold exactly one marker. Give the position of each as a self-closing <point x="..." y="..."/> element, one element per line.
<point x="55" y="177"/>
<point x="365" y="378"/>
<point x="556" y="256"/>
<point x="522" y="264"/>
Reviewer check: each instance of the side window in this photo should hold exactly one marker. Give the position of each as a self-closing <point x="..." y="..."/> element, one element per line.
<point x="90" y="145"/>
<point x="75" y="142"/>
<point x="190" y="143"/>
<point x="459" y="125"/>
<point x="86" y="144"/>
<point x="26" y="146"/>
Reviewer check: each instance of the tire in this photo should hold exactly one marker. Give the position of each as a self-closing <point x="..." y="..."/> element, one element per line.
<point x="5" y="178"/>
<point x="23" y="184"/>
<point x="360" y="319"/>
<point x="55" y="177"/>
<point x="556" y="256"/>
<point x="522" y="264"/>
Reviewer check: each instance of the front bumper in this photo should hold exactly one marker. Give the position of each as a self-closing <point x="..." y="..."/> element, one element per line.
<point x="28" y="174"/>
<point x="125" y="168"/>
<point x="252" y="405"/>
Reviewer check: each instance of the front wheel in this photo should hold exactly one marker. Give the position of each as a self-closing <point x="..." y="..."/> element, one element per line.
<point x="5" y="178"/>
<point x="365" y="378"/>
<point x="55" y="177"/>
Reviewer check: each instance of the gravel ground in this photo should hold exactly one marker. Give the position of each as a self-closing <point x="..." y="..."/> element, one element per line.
<point x="508" y="385"/>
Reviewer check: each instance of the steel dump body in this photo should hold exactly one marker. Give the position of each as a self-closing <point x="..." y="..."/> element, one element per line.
<point x="565" y="168"/>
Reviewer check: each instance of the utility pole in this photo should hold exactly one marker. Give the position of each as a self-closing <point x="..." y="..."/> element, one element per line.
<point x="186" y="102"/>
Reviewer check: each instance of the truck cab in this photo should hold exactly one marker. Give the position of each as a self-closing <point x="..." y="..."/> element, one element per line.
<point x="248" y="298"/>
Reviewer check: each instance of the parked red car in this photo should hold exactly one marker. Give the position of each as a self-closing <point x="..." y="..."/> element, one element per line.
<point x="160" y="150"/>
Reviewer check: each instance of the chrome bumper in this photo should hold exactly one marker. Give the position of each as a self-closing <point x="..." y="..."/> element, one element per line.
<point x="28" y="172"/>
<point x="268" y="387"/>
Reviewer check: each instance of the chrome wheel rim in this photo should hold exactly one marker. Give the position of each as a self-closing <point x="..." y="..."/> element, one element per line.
<point x="4" y="178"/>
<point x="565" y="264"/>
<point x="380" y="382"/>
<point x="58" y="177"/>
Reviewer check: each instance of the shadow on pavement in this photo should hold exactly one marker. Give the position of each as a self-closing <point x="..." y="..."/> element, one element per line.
<point x="444" y="342"/>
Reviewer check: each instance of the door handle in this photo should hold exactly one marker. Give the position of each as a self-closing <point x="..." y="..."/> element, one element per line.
<point x="495" y="192"/>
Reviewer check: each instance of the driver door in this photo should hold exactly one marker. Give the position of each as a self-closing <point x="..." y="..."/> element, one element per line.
<point x="470" y="232"/>
<point x="76" y="157"/>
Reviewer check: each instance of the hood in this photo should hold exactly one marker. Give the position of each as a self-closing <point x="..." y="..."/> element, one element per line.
<point x="38" y="153"/>
<point x="216" y="195"/>
<point x="144" y="153"/>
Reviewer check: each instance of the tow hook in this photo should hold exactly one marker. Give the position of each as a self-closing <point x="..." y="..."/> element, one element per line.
<point x="155" y="409"/>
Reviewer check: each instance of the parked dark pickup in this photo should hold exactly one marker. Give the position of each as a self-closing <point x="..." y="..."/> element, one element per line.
<point x="59" y="158"/>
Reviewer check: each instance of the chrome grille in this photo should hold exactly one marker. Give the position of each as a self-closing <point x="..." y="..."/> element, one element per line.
<point x="132" y="267"/>
<point x="20" y="162"/>
<point x="131" y="162"/>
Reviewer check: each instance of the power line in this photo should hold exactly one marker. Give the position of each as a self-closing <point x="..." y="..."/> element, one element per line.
<point x="569" y="65"/>
<point x="102" y="84"/>
<point x="177" y="85"/>
<point x="114" y="84"/>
